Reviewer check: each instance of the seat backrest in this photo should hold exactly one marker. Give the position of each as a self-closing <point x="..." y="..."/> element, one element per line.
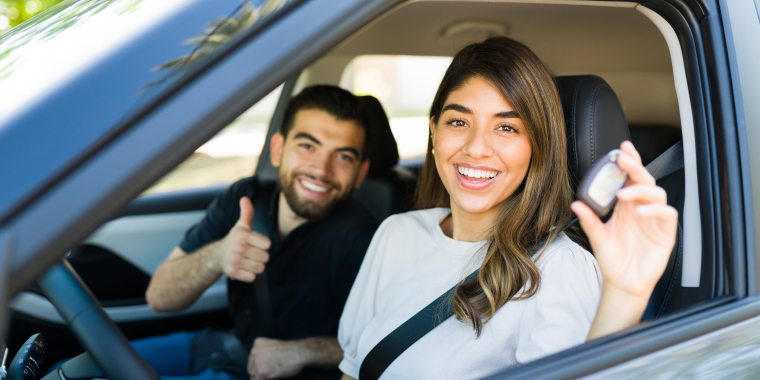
<point x="596" y="124"/>
<point x="594" y="121"/>
<point x="388" y="188"/>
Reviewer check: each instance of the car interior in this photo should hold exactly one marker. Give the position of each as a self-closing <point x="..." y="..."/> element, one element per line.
<point x="619" y="77"/>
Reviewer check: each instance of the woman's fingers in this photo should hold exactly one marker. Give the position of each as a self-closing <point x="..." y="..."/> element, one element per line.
<point x="628" y="148"/>
<point x="630" y="162"/>
<point x="637" y="173"/>
<point x="643" y="194"/>
<point x="666" y="215"/>
<point x="589" y="221"/>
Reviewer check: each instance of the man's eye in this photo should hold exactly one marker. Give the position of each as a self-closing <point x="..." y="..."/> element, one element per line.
<point x="305" y="146"/>
<point x="346" y="157"/>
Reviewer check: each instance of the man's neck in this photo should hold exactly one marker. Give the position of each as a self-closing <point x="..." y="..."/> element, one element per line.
<point x="287" y="220"/>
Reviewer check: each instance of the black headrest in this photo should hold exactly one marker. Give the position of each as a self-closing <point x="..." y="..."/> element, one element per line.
<point x="594" y="120"/>
<point x="383" y="151"/>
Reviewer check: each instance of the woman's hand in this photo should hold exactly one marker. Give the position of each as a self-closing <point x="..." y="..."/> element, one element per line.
<point x="632" y="248"/>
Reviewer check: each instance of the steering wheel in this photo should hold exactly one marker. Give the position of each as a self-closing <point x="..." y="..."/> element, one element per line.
<point x="99" y="335"/>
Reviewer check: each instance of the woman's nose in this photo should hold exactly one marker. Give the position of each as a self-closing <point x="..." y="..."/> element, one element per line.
<point x="478" y="144"/>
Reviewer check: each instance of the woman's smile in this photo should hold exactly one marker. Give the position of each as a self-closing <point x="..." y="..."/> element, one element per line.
<point x="475" y="176"/>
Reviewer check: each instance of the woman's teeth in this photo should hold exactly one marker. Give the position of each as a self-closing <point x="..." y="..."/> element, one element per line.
<point x="476" y="173"/>
<point x="313" y="187"/>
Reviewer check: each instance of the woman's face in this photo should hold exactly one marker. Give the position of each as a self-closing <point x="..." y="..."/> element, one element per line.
<point x="482" y="149"/>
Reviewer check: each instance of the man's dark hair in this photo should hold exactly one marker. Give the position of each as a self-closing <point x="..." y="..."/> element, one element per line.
<point x="336" y="101"/>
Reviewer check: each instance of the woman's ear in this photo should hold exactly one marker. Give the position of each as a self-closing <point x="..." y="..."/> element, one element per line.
<point x="275" y="149"/>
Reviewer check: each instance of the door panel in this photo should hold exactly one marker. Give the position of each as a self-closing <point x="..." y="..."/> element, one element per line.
<point x="730" y="353"/>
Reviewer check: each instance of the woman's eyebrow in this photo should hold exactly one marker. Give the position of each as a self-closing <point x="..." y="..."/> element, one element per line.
<point x="507" y="115"/>
<point x="456" y="107"/>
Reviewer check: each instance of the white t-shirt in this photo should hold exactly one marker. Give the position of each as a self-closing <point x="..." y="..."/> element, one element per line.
<point x="410" y="263"/>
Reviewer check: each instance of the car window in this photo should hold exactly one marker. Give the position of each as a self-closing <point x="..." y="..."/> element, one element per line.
<point x="230" y="155"/>
<point x="405" y="85"/>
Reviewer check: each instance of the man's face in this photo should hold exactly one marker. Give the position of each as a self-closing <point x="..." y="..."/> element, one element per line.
<point x="319" y="162"/>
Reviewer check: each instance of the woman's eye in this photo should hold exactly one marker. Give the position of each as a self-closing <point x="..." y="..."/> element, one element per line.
<point x="507" y="128"/>
<point x="457" y="123"/>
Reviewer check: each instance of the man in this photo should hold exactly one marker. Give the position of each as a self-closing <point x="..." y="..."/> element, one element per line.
<point x="317" y="238"/>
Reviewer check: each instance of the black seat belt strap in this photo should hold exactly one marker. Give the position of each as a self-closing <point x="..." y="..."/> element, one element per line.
<point x="668" y="162"/>
<point x="395" y="343"/>
<point x="260" y="224"/>
<point x="432" y="315"/>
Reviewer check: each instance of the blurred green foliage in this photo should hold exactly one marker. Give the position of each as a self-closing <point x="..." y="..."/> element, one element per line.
<point x="14" y="12"/>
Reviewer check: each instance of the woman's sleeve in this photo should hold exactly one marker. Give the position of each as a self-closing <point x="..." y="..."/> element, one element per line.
<point x="360" y="306"/>
<point x="559" y="316"/>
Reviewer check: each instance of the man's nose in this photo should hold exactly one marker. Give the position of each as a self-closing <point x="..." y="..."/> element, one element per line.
<point x="320" y="165"/>
<point x="479" y="143"/>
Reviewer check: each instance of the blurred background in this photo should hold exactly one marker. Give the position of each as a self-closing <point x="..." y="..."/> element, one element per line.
<point x="14" y="12"/>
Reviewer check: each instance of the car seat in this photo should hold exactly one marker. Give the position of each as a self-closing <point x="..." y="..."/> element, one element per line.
<point x="595" y="124"/>
<point x="388" y="188"/>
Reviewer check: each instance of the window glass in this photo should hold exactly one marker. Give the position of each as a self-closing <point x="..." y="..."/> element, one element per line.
<point x="230" y="155"/>
<point x="405" y="85"/>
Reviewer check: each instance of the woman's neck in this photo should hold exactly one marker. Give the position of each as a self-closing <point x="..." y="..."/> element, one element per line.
<point x="465" y="226"/>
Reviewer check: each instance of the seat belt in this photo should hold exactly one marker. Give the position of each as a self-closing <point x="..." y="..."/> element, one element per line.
<point x="260" y="224"/>
<point x="432" y="315"/>
<point x="668" y="162"/>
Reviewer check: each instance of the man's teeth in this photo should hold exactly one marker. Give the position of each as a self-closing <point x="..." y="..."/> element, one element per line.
<point x="313" y="187"/>
<point x="476" y="173"/>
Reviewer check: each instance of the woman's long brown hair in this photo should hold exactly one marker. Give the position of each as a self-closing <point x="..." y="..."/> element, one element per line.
<point x="542" y="202"/>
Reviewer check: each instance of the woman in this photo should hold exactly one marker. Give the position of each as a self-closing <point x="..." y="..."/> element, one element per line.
<point x="496" y="173"/>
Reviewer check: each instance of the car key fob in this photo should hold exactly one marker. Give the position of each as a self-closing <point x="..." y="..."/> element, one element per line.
<point x="26" y="364"/>
<point x="599" y="187"/>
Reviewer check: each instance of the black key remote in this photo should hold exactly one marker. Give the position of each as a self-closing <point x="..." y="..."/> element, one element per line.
<point x="28" y="360"/>
<point x="601" y="184"/>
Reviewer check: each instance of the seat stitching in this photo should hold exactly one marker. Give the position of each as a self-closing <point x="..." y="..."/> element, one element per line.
<point x="572" y="121"/>
<point x="591" y="121"/>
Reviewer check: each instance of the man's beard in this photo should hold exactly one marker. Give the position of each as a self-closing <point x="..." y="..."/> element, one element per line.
<point x="308" y="209"/>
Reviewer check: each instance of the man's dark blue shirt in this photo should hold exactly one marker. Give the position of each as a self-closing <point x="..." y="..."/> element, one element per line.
<point x="310" y="272"/>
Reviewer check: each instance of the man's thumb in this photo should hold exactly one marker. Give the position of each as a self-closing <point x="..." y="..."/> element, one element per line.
<point x="246" y="212"/>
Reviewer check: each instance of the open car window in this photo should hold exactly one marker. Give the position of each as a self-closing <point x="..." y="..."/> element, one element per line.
<point x="230" y="155"/>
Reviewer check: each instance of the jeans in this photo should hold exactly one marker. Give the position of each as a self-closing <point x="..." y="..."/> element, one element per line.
<point x="170" y="354"/>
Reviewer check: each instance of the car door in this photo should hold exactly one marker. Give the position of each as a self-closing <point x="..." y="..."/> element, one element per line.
<point x="162" y="135"/>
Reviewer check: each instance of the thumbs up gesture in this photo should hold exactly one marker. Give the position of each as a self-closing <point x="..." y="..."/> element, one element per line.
<point x="244" y="252"/>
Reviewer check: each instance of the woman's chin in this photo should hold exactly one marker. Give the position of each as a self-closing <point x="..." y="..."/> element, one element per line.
<point x="475" y="208"/>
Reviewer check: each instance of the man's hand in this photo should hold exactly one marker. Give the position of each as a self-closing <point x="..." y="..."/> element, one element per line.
<point x="275" y="359"/>
<point x="243" y="252"/>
